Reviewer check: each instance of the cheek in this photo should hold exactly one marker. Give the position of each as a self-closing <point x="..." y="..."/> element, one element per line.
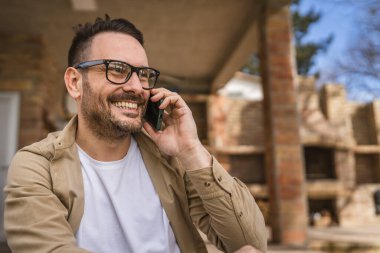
<point x="146" y="95"/>
<point x="105" y="93"/>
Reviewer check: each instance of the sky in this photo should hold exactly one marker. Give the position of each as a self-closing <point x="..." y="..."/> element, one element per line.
<point x="337" y="19"/>
<point x="340" y="19"/>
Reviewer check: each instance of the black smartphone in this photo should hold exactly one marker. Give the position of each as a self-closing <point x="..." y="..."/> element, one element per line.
<point x="153" y="115"/>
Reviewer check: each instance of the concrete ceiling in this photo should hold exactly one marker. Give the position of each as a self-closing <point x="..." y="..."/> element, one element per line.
<point x="195" y="44"/>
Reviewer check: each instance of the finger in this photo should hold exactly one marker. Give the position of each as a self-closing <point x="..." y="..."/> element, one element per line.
<point x="157" y="97"/>
<point x="159" y="90"/>
<point x="159" y="93"/>
<point x="167" y="119"/>
<point x="149" y="129"/>
<point x="171" y="100"/>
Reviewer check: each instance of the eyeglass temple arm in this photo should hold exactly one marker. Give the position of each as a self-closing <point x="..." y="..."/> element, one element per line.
<point x="87" y="64"/>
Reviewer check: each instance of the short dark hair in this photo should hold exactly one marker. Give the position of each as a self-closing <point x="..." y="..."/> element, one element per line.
<point x="85" y="33"/>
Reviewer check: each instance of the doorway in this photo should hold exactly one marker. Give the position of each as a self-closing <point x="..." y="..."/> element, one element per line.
<point x="9" y="130"/>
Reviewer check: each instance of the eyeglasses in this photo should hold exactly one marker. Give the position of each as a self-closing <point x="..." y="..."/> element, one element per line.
<point x="119" y="72"/>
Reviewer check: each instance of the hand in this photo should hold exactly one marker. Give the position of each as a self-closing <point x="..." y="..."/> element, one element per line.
<point x="179" y="138"/>
<point x="247" y="249"/>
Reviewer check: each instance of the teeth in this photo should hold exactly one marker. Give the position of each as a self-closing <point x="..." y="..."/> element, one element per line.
<point x="125" y="105"/>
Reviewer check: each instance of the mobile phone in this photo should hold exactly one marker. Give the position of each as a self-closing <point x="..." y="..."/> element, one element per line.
<point x="153" y="115"/>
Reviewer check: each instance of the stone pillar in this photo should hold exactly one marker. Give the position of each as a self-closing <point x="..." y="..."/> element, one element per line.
<point x="284" y="159"/>
<point x="376" y="119"/>
<point x="375" y="108"/>
<point x="335" y="108"/>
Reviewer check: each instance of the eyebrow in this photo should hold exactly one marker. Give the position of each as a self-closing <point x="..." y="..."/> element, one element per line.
<point x="117" y="60"/>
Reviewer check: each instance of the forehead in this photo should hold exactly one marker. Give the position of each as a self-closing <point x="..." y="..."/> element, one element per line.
<point x="118" y="46"/>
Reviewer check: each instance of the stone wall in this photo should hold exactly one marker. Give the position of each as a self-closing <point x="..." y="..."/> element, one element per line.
<point x="363" y="124"/>
<point x="236" y="136"/>
<point x="25" y="67"/>
<point x="360" y="209"/>
<point x="343" y="135"/>
<point x="235" y="122"/>
<point x="198" y="106"/>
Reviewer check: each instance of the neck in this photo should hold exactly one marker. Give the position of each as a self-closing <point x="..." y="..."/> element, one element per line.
<point x="99" y="148"/>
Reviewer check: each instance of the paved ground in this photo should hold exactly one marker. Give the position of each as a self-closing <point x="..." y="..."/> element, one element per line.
<point x="272" y="249"/>
<point x="333" y="239"/>
<point x="362" y="236"/>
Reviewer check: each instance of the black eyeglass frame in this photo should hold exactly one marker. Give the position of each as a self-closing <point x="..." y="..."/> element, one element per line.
<point x="87" y="64"/>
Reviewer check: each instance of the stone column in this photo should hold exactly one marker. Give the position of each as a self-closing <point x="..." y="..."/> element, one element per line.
<point x="284" y="159"/>
<point x="375" y="108"/>
<point x="376" y="118"/>
<point x="335" y="107"/>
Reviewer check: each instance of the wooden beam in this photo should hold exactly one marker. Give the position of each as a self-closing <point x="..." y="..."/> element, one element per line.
<point x="84" y="5"/>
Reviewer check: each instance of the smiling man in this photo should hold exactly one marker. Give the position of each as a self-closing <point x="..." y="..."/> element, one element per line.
<point x="109" y="182"/>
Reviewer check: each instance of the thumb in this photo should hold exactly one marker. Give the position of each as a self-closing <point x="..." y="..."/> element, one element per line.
<point x="149" y="129"/>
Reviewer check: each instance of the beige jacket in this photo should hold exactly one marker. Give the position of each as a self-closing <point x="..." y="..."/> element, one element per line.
<point x="44" y="199"/>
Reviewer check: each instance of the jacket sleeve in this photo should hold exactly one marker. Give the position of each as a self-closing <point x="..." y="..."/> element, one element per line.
<point x="223" y="208"/>
<point x="35" y="220"/>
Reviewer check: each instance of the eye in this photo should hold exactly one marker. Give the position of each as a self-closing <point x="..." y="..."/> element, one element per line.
<point x="118" y="68"/>
<point x="147" y="74"/>
<point x="143" y="74"/>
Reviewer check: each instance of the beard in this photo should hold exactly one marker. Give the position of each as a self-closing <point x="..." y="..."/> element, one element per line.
<point x="100" y="119"/>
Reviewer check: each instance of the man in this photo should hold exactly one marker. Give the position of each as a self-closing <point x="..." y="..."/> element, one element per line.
<point x="105" y="185"/>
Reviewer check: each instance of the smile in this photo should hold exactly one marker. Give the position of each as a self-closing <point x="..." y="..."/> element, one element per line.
<point x="125" y="105"/>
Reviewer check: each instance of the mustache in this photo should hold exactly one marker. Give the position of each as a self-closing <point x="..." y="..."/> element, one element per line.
<point x="127" y="96"/>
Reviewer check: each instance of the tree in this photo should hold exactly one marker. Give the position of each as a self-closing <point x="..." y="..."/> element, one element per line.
<point x="252" y="66"/>
<point x="359" y="69"/>
<point x="306" y="51"/>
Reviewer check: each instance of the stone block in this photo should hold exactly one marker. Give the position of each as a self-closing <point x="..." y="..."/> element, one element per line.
<point x="287" y="137"/>
<point x="16" y="85"/>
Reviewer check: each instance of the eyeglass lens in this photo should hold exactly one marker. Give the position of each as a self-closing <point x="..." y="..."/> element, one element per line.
<point x="119" y="72"/>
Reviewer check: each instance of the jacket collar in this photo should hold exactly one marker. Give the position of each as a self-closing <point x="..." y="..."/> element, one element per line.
<point x="67" y="138"/>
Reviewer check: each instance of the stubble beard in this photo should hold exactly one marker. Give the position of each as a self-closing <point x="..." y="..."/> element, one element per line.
<point x="100" y="119"/>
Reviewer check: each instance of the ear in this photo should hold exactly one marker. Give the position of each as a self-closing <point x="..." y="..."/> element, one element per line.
<point x="73" y="81"/>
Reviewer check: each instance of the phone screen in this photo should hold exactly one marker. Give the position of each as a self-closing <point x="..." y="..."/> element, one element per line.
<point x="153" y="115"/>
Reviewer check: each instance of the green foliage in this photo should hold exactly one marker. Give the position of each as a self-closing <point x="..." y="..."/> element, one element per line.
<point x="305" y="54"/>
<point x="306" y="51"/>
<point x="301" y="23"/>
<point x="252" y="66"/>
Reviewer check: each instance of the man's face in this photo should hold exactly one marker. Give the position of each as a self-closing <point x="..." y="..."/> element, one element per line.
<point x="113" y="111"/>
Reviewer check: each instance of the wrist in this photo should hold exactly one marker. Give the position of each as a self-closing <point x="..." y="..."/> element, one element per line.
<point x="195" y="157"/>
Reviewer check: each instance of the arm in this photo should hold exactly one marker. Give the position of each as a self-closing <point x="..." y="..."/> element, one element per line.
<point x="224" y="209"/>
<point x="34" y="217"/>
<point x="220" y="205"/>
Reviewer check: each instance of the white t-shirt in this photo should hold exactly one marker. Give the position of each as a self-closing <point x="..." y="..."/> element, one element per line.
<point x="122" y="211"/>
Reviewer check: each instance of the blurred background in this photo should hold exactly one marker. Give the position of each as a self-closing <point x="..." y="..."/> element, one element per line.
<point x="286" y="95"/>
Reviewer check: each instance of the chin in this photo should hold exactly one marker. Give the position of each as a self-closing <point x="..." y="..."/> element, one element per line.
<point x="132" y="126"/>
<point x="127" y="122"/>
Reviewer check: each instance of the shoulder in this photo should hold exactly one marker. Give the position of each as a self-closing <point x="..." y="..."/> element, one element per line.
<point x="33" y="161"/>
<point x="43" y="148"/>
